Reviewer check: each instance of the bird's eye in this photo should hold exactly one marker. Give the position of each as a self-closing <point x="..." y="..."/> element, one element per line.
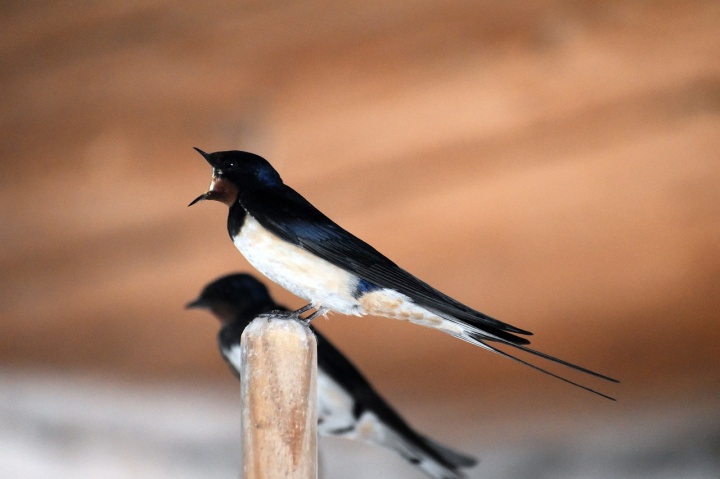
<point x="230" y="165"/>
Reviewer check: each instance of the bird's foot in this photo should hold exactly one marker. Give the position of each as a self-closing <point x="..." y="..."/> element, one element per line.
<point x="318" y="312"/>
<point x="302" y="310"/>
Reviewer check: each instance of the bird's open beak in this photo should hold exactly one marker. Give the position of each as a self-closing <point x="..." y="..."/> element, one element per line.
<point x="204" y="196"/>
<point x="220" y="190"/>
<point x="199" y="198"/>
<point x="205" y="155"/>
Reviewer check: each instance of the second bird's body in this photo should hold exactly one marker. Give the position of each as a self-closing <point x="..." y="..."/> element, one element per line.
<point x="348" y="405"/>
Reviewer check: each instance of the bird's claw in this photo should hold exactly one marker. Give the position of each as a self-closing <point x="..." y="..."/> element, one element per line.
<point x="318" y="312"/>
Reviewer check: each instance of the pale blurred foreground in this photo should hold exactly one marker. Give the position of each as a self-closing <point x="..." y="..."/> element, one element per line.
<point x="65" y="427"/>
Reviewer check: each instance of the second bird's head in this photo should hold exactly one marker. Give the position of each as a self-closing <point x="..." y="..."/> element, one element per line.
<point x="237" y="296"/>
<point x="234" y="171"/>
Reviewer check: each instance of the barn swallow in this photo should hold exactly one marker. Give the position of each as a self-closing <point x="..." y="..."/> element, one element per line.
<point x="348" y="406"/>
<point x="291" y="242"/>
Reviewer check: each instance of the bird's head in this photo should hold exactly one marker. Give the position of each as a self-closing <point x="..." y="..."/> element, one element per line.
<point x="234" y="296"/>
<point x="234" y="171"/>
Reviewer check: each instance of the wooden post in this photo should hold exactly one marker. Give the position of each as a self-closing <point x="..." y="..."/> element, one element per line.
<point x="279" y="398"/>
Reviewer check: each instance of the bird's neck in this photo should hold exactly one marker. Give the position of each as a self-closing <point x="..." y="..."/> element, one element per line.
<point x="236" y="219"/>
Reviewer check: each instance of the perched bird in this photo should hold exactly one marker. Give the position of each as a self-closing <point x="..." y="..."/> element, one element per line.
<point x="348" y="406"/>
<point x="295" y="245"/>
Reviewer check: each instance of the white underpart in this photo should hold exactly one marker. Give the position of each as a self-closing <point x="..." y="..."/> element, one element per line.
<point x="335" y="407"/>
<point x="324" y="284"/>
<point x="234" y="356"/>
<point x="395" y="305"/>
<point x="300" y="272"/>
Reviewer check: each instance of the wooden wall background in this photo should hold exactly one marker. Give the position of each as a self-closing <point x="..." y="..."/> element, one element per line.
<point x="552" y="163"/>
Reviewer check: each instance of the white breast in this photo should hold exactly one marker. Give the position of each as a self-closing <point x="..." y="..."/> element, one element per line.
<point x="234" y="356"/>
<point x="300" y="272"/>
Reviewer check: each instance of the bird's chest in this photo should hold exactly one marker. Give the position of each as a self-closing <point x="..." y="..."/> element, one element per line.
<point x="296" y="270"/>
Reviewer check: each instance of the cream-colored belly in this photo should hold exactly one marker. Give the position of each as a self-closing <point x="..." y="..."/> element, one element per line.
<point x="391" y="304"/>
<point x="300" y="272"/>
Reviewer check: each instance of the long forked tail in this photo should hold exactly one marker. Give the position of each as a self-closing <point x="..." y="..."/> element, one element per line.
<point x="482" y="340"/>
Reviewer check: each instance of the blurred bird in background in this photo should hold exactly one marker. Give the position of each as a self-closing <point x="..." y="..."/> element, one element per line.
<point x="348" y="406"/>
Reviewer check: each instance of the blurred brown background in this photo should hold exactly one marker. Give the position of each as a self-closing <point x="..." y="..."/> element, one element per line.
<point x="554" y="164"/>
